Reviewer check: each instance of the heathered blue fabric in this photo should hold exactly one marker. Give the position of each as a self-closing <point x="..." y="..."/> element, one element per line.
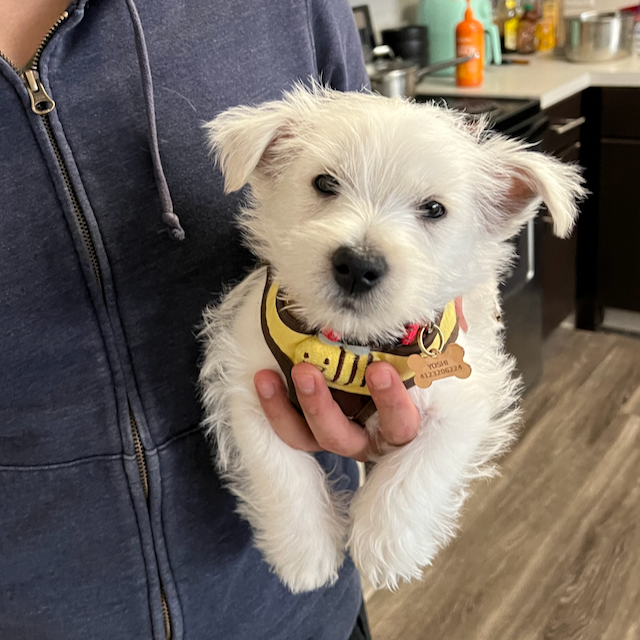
<point x="81" y="552"/>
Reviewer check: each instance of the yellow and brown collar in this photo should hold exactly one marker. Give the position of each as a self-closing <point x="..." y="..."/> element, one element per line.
<point x="342" y="365"/>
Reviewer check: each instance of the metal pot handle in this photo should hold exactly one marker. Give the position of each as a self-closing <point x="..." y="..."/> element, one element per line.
<point x="438" y="66"/>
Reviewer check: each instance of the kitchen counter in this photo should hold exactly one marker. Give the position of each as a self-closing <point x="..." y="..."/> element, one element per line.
<point x="546" y="78"/>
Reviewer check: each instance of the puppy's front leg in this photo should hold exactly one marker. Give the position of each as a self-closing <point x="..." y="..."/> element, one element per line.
<point x="284" y="495"/>
<point x="408" y="507"/>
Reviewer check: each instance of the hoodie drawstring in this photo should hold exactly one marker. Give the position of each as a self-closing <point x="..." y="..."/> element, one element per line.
<point x="168" y="216"/>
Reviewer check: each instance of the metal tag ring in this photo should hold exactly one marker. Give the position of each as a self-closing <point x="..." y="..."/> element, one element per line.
<point x="431" y="352"/>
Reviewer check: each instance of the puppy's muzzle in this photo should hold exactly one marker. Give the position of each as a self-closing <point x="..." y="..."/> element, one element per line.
<point x="358" y="271"/>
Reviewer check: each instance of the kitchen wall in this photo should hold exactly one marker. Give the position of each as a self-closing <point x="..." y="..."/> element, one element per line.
<point x="391" y="13"/>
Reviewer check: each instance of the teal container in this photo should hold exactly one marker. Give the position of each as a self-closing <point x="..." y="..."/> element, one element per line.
<point x="441" y="18"/>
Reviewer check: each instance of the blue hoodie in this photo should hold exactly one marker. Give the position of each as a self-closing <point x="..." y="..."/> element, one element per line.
<point x="110" y="508"/>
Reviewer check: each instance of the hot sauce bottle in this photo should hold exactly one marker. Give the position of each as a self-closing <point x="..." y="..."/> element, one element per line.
<point x="470" y="42"/>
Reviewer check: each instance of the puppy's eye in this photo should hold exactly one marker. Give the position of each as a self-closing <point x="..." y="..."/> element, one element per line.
<point x="432" y="209"/>
<point x="326" y="184"/>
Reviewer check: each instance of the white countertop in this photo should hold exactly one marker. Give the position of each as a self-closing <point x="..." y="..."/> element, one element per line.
<point x="546" y="78"/>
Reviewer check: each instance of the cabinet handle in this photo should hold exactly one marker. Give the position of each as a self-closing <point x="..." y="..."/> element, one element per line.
<point x="572" y="123"/>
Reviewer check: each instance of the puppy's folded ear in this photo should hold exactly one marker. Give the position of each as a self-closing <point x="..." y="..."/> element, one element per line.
<point x="521" y="180"/>
<point x="247" y="139"/>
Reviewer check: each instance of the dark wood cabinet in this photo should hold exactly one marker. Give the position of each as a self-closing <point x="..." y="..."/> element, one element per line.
<point x="619" y="200"/>
<point x="620" y="111"/>
<point x="557" y="256"/>
<point x="619" y="206"/>
<point x="609" y="228"/>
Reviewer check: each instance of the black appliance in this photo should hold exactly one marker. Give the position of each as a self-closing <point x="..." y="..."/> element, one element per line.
<point x="411" y="43"/>
<point x="522" y="289"/>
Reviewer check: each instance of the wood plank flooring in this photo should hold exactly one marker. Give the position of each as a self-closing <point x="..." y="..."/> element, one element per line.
<point x="551" y="549"/>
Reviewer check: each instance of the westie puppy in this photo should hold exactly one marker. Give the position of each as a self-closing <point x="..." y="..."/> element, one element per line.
<point x="384" y="224"/>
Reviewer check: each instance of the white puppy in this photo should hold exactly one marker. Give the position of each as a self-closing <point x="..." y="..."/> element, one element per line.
<point x="373" y="214"/>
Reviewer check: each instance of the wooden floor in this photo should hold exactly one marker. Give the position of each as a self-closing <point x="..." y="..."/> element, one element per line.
<point x="551" y="550"/>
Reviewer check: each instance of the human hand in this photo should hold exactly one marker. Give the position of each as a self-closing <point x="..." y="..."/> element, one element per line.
<point x="324" y="427"/>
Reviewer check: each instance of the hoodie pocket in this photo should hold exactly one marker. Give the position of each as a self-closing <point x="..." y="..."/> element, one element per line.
<point x="71" y="563"/>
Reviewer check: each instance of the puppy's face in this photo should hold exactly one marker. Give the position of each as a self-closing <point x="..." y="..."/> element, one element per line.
<point x="374" y="213"/>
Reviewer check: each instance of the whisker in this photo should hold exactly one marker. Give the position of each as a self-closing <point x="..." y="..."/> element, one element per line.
<point x="290" y="306"/>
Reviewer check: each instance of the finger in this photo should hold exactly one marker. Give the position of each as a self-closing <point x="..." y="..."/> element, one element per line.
<point x="399" y="417"/>
<point x="333" y="431"/>
<point x="285" y="420"/>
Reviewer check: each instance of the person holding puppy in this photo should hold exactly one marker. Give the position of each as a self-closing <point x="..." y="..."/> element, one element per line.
<point x="115" y="234"/>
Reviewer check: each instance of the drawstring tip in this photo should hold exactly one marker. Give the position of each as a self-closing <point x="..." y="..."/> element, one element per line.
<point x="173" y="223"/>
<point x="177" y="234"/>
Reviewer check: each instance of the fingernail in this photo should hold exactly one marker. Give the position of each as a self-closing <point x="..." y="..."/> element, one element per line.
<point x="381" y="380"/>
<point x="265" y="389"/>
<point x="305" y="383"/>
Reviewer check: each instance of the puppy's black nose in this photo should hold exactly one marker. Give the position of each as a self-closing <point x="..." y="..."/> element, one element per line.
<point x="358" y="272"/>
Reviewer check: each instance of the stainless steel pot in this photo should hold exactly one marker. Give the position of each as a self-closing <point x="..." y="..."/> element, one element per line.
<point x="393" y="77"/>
<point x="593" y="36"/>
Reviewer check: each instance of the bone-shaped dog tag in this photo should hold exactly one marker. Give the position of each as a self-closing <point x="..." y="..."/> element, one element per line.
<point x="442" y="365"/>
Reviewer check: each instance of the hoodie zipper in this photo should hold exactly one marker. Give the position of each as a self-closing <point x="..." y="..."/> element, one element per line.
<point x="144" y="479"/>
<point x="42" y="104"/>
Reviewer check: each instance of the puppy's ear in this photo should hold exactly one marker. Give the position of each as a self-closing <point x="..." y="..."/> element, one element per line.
<point x="244" y="139"/>
<point x="521" y="180"/>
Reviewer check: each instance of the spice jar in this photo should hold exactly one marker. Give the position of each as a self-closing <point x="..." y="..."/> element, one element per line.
<point x="527" y="40"/>
<point x="545" y="32"/>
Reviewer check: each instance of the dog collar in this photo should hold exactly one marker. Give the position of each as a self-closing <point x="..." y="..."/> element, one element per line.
<point x="342" y="365"/>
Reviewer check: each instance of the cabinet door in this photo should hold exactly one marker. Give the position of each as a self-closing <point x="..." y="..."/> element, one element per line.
<point x="619" y="212"/>
<point x="620" y="108"/>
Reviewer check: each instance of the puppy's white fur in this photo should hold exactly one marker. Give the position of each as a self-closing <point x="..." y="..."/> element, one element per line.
<point x="388" y="157"/>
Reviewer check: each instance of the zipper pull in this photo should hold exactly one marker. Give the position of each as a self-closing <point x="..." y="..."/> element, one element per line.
<point x="41" y="102"/>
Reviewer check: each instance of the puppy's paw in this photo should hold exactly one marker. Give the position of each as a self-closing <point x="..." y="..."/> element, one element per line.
<point x="386" y="556"/>
<point x="308" y="563"/>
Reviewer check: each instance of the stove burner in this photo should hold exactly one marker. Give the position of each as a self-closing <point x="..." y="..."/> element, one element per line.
<point x="474" y="106"/>
<point x="504" y="114"/>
